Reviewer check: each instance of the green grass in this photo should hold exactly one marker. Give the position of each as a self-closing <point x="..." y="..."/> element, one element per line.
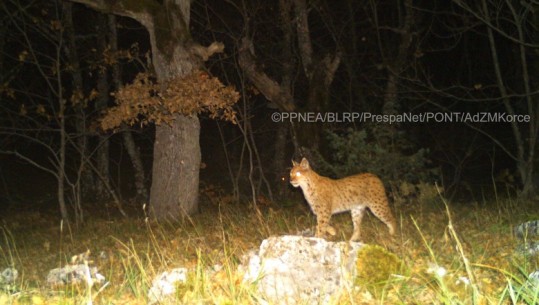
<point x="472" y="243"/>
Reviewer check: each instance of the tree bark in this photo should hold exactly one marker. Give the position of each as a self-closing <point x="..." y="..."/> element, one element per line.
<point x="176" y="168"/>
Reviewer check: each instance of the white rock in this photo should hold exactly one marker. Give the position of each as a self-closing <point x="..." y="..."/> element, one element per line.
<point x="302" y="270"/>
<point x="527" y="229"/>
<point x="534" y="277"/>
<point x="164" y="286"/>
<point x="8" y="276"/>
<point x="436" y="270"/>
<point x="74" y="274"/>
<point x="463" y="280"/>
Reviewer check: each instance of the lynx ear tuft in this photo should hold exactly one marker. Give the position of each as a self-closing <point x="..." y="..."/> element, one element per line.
<point x="304" y="163"/>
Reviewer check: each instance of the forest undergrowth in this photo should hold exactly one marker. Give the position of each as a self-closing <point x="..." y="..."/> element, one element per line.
<point x="454" y="253"/>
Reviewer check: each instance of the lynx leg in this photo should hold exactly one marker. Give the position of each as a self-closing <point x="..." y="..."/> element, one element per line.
<point x="385" y="216"/>
<point x="357" y="216"/>
<point x="322" y="225"/>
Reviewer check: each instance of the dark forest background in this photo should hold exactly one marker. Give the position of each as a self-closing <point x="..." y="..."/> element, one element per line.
<point x="60" y="62"/>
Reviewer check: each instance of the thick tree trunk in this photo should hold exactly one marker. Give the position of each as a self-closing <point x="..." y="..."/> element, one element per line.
<point x="176" y="155"/>
<point x="176" y="166"/>
<point x="176" y="161"/>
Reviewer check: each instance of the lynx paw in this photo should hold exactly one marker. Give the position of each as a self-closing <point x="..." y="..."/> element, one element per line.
<point x="331" y="231"/>
<point x="355" y="238"/>
<point x="321" y="232"/>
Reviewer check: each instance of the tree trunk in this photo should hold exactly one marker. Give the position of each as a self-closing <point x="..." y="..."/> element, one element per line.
<point x="320" y="79"/>
<point x="396" y="64"/>
<point x="176" y="155"/>
<point x="87" y="181"/>
<point x="318" y="70"/>
<point x="176" y="161"/>
<point x="176" y="165"/>
<point x="62" y="160"/>
<point x="525" y="146"/>
<point x="3" y="31"/>
<point x="525" y="170"/>
<point x="102" y="185"/>
<point x="279" y="162"/>
<point x="136" y="161"/>
<point x="127" y="135"/>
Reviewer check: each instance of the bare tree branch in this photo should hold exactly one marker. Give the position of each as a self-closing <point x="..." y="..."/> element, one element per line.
<point x="30" y="161"/>
<point x="119" y="8"/>
<point x="269" y="88"/>
<point x="482" y="16"/>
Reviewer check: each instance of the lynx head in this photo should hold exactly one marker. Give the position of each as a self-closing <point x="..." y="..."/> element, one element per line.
<point x="299" y="172"/>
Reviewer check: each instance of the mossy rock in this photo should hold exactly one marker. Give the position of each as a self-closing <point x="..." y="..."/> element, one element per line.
<point x="374" y="267"/>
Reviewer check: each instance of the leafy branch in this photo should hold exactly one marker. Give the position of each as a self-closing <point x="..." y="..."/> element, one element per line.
<point x="147" y="101"/>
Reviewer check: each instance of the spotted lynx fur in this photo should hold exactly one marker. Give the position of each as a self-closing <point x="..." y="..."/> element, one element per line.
<point x="328" y="196"/>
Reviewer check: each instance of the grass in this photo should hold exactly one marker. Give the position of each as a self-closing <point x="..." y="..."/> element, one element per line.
<point x="454" y="253"/>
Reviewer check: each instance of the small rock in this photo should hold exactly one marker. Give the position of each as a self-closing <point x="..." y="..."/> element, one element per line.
<point x="534" y="277"/>
<point x="531" y="248"/>
<point x="463" y="280"/>
<point x="533" y="281"/>
<point x="164" y="286"/>
<point x="527" y="229"/>
<point x="74" y="274"/>
<point x="309" y="232"/>
<point x="436" y="270"/>
<point x="8" y="276"/>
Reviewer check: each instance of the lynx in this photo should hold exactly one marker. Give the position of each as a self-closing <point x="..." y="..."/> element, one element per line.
<point x="327" y="196"/>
